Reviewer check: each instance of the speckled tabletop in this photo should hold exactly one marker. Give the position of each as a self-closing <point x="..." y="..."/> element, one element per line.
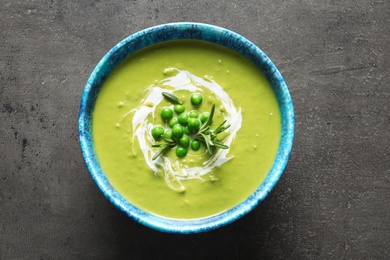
<point x="333" y="199"/>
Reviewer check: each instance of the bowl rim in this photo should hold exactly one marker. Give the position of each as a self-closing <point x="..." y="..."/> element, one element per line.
<point x="174" y="31"/>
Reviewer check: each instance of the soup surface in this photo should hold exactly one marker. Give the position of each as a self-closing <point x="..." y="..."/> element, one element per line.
<point x="199" y="184"/>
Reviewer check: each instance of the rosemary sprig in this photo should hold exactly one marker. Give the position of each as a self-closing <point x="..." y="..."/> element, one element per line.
<point x="209" y="136"/>
<point x="172" y="98"/>
<point x="159" y="152"/>
<point x="170" y="143"/>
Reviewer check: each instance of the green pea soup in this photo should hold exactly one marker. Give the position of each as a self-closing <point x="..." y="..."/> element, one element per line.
<point x="251" y="152"/>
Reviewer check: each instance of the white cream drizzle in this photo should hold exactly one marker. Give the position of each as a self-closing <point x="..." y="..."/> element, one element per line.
<point x="174" y="170"/>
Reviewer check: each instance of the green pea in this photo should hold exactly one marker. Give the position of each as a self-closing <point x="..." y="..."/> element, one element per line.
<point x="193" y="114"/>
<point x="193" y="124"/>
<point x="166" y="113"/>
<point x="186" y="130"/>
<point x="196" y="99"/>
<point x="177" y="131"/>
<point x="195" y="145"/>
<point x="157" y="132"/>
<point x="173" y="121"/>
<point x="204" y="116"/>
<point x="183" y="118"/>
<point x="168" y="133"/>
<point x="179" y="109"/>
<point x="181" y="151"/>
<point x="184" y="141"/>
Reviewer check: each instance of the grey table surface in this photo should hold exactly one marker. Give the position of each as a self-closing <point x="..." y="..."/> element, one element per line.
<point x="333" y="199"/>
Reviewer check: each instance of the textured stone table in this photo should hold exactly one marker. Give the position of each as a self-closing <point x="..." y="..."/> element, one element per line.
<point x="331" y="203"/>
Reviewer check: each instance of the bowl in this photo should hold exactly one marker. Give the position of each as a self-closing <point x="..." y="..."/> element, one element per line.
<point x="174" y="31"/>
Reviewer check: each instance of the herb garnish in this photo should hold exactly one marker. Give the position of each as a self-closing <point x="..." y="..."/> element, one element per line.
<point x="169" y="143"/>
<point x="172" y="98"/>
<point x="209" y="136"/>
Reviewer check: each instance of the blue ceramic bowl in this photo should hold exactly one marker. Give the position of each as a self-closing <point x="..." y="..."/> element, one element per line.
<point x="168" y="32"/>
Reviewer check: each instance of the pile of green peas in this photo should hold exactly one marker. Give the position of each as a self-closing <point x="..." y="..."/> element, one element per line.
<point x="182" y="125"/>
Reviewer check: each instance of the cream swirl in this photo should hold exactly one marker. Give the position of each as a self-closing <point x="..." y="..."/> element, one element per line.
<point x="175" y="171"/>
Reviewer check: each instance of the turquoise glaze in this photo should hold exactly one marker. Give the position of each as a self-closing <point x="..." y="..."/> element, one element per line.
<point x="173" y="31"/>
